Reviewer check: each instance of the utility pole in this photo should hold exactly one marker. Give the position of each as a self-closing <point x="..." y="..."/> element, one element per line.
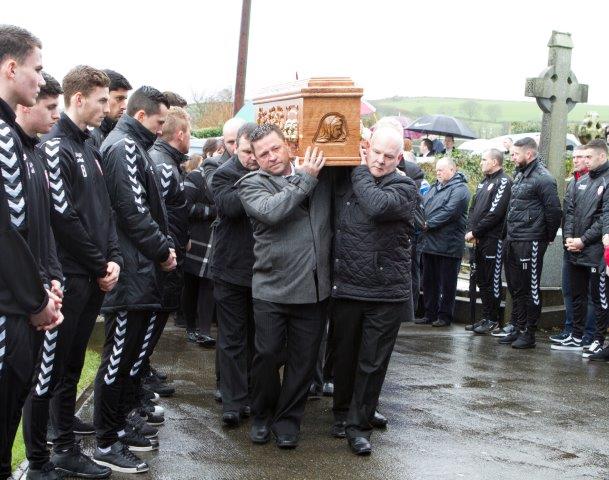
<point x="242" y="58"/>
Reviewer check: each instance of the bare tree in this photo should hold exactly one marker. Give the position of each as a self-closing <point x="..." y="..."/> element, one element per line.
<point x="211" y="110"/>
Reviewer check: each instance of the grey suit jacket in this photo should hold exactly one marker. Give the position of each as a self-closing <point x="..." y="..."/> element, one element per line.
<point x="292" y="235"/>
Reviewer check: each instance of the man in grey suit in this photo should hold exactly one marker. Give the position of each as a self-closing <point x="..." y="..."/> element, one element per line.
<point x="289" y="206"/>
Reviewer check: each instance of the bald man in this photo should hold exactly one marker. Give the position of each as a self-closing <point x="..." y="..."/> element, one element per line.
<point x="445" y="208"/>
<point x="371" y="290"/>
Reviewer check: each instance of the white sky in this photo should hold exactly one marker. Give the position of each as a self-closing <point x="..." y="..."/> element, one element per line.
<point x="448" y="48"/>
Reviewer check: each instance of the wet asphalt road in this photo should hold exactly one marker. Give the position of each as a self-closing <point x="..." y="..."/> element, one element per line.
<point x="459" y="406"/>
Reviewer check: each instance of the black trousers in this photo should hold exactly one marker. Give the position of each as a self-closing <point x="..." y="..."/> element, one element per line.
<point x="19" y="347"/>
<point x="440" y="286"/>
<point x="159" y="326"/>
<point x="324" y="367"/>
<point x="57" y="375"/>
<point x="523" y="265"/>
<point x="126" y="347"/>
<point x="489" y="253"/>
<point x="582" y="278"/>
<point x="234" y="347"/>
<point x="415" y="270"/>
<point x="299" y="326"/>
<point x="198" y="303"/>
<point x="365" y="333"/>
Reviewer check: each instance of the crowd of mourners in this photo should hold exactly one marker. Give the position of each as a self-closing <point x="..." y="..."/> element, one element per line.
<point x="308" y="271"/>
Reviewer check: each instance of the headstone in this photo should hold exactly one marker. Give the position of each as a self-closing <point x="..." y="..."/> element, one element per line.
<point x="556" y="91"/>
<point x="319" y="112"/>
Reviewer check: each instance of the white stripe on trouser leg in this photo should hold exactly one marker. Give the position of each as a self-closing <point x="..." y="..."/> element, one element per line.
<point x="602" y="291"/>
<point x="46" y="362"/>
<point x="497" y="271"/>
<point x="147" y="337"/>
<point x="120" y="332"/>
<point x="534" y="276"/>
<point x="2" y="340"/>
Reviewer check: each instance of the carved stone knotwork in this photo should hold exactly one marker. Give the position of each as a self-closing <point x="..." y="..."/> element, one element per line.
<point x="332" y="129"/>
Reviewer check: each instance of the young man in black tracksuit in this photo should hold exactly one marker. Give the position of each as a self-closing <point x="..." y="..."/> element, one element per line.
<point x="533" y="218"/>
<point x="83" y="223"/>
<point x="168" y="153"/>
<point x="484" y="228"/>
<point x="117" y="104"/>
<point x="583" y="240"/>
<point x="232" y="262"/>
<point x="147" y="251"/>
<point x="27" y="303"/>
<point x="371" y="290"/>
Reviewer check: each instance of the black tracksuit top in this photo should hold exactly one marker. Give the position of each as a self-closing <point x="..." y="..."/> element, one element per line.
<point x="489" y="206"/>
<point x="81" y="213"/>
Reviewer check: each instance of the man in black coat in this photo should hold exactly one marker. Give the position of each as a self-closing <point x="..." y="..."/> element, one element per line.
<point x="445" y="208"/>
<point x="117" y="103"/>
<point x="148" y="251"/>
<point x="485" y="230"/>
<point x="371" y="288"/>
<point x="582" y="232"/>
<point x="532" y="221"/>
<point x="232" y="261"/>
<point x="27" y="303"/>
<point x="84" y="226"/>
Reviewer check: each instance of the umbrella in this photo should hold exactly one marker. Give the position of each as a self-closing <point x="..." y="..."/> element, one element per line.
<point x="366" y="108"/>
<point x="404" y="121"/>
<point x="442" y="125"/>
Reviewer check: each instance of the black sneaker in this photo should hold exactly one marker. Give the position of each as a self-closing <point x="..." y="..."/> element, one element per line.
<point x="328" y="389"/>
<point x="47" y="472"/>
<point x="472" y="326"/>
<point x="150" y="395"/>
<point x="152" y="407"/>
<point x="74" y="463"/>
<point x="569" y="344"/>
<point x="156" y="385"/>
<point x="151" y="418"/>
<point x="602" y="356"/>
<point x="423" y="321"/>
<point x="510" y="338"/>
<point x="526" y="339"/>
<point x="135" y="421"/>
<point x="206" y="341"/>
<point x="191" y="336"/>
<point x="504" y="332"/>
<point x="158" y="374"/>
<point x="485" y="327"/>
<point x="136" y="442"/>
<point x="315" y="392"/>
<point x="559" y="337"/>
<point x="120" y="459"/>
<point x="592" y="349"/>
<point x="82" y="428"/>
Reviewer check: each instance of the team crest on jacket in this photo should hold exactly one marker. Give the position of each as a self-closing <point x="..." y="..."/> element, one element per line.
<point x="490" y="187"/>
<point x="599" y="192"/>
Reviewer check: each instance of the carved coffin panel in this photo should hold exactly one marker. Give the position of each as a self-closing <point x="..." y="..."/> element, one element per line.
<point x="322" y="112"/>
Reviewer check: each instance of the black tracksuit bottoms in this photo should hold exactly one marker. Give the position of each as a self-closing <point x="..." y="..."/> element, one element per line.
<point x="198" y="303"/>
<point x="235" y="343"/>
<point x="364" y="336"/>
<point x="489" y="254"/>
<point x="19" y="348"/>
<point x="127" y="346"/>
<point x="280" y="404"/>
<point x="523" y="265"/>
<point x="440" y="286"/>
<point x="57" y="375"/>
<point x="582" y="277"/>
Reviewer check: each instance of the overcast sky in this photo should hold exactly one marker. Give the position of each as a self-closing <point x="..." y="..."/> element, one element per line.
<point x="470" y="49"/>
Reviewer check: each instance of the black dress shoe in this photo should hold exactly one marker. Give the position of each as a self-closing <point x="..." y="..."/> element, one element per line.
<point x="286" y="441"/>
<point x="231" y="419"/>
<point x="206" y="341"/>
<point x="338" y="430"/>
<point x="246" y="411"/>
<point x="260" y="434"/>
<point x="423" y="321"/>
<point x="378" y="420"/>
<point x="360" y="446"/>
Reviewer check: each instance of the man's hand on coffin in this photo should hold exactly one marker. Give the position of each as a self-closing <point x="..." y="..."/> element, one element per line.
<point x="312" y="163"/>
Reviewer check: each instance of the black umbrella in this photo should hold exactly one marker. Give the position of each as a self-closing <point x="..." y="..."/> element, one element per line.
<point x="442" y="125"/>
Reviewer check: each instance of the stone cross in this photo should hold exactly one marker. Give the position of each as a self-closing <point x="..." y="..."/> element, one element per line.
<point x="556" y="91"/>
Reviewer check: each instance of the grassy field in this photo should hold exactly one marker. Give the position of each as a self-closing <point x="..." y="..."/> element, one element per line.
<point x="492" y="111"/>
<point x="92" y="360"/>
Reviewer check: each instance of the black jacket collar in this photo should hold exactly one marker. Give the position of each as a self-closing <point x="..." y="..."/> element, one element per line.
<point x="494" y="175"/>
<point x="526" y="171"/>
<point x="71" y="130"/>
<point x="132" y="127"/>
<point x="7" y="113"/>
<point x="599" y="171"/>
<point x="107" y="125"/>
<point x="177" y="156"/>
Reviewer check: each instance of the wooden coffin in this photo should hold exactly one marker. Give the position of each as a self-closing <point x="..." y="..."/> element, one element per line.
<point x="322" y="112"/>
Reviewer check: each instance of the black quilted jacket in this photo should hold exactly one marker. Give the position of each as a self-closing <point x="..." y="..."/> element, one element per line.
<point x="374" y="222"/>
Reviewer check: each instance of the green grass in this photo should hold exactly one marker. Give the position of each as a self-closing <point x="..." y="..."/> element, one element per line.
<point x="92" y="360"/>
<point x="504" y="111"/>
